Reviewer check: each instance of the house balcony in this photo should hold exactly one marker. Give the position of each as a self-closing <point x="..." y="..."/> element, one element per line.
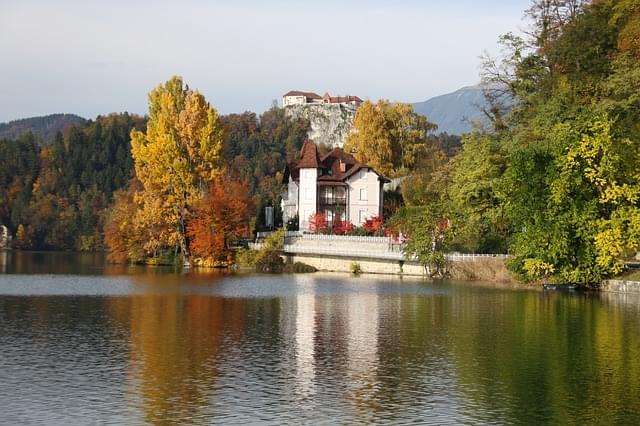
<point x="333" y="201"/>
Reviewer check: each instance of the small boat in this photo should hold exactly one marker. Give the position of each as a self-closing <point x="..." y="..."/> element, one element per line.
<point x="559" y="287"/>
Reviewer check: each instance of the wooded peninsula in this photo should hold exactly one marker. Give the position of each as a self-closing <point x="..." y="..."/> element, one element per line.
<point x="551" y="178"/>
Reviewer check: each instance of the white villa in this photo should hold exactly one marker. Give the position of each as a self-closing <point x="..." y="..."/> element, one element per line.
<point x="296" y="97"/>
<point x="336" y="185"/>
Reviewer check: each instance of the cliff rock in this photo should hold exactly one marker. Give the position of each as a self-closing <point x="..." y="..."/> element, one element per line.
<point x="330" y="123"/>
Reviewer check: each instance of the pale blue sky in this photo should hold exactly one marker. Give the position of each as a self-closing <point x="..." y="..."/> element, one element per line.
<point x="94" y="57"/>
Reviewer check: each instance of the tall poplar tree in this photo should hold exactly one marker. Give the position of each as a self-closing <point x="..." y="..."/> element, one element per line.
<point x="175" y="160"/>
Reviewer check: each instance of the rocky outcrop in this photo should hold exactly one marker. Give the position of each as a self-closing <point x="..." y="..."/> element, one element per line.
<point x="330" y="123"/>
<point x="621" y="286"/>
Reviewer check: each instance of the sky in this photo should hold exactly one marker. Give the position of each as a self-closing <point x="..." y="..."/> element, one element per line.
<point x="91" y="57"/>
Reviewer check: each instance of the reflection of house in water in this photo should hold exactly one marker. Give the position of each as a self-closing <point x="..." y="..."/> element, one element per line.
<point x="305" y="347"/>
<point x="362" y="349"/>
<point x="3" y="261"/>
<point x="336" y="339"/>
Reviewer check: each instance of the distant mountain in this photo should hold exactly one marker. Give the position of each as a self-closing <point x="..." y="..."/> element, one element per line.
<point x="455" y="112"/>
<point x="44" y="127"/>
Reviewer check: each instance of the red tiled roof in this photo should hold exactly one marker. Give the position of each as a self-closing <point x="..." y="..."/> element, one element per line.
<point x="309" y="156"/>
<point x="341" y="99"/>
<point x="326" y="98"/>
<point x="336" y="166"/>
<point x="309" y="95"/>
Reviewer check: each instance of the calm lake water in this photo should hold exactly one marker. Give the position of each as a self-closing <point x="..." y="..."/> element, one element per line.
<point x="81" y="342"/>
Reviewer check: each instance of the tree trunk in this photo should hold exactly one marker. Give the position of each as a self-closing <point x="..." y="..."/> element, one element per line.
<point x="184" y="246"/>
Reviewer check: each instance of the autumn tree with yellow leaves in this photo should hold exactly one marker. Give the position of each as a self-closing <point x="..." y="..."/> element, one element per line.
<point x="390" y="137"/>
<point x="176" y="159"/>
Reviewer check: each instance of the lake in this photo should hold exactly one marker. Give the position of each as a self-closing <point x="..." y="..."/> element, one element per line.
<point x="83" y="342"/>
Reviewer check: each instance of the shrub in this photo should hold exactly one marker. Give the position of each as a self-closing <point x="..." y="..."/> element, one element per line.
<point x="355" y="268"/>
<point x="299" y="268"/>
<point x="342" y="227"/>
<point x="269" y="261"/>
<point x="373" y="225"/>
<point x="275" y="241"/>
<point x="246" y="257"/>
<point x="318" y="223"/>
<point x="537" y="269"/>
<point x="358" y="231"/>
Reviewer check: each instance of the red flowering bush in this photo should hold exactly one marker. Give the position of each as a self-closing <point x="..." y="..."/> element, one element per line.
<point x="373" y="225"/>
<point x="342" y="227"/>
<point x="318" y="223"/>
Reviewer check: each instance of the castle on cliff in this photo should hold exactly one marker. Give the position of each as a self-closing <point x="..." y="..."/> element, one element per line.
<point x="296" y="97"/>
<point x="330" y="117"/>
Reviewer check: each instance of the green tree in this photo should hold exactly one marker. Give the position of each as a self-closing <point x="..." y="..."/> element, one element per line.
<point x="570" y="184"/>
<point x="475" y="195"/>
<point x="429" y="238"/>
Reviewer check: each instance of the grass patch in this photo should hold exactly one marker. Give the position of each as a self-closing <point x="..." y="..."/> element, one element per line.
<point x="633" y="275"/>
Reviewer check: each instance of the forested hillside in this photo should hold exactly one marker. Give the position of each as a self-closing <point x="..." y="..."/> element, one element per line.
<point x="45" y="128"/>
<point x="56" y="196"/>
<point x="258" y="148"/>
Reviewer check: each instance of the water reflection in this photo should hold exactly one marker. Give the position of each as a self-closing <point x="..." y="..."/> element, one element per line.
<point x="4" y="260"/>
<point x="172" y="348"/>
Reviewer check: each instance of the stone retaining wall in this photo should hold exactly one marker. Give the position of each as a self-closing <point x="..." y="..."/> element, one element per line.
<point x="621" y="286"/>
<point x="367" y="265"/>
<point x="489" y="269"/>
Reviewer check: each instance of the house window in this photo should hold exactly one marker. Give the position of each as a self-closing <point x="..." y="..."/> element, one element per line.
<point x="363" y="216"/>
<point x="363" y="194"/>
<point x="328" y="193"/>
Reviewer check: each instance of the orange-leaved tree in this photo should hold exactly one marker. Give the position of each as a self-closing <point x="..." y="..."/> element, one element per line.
<point x="125" y="236"/>
<point x="220" y="217"/>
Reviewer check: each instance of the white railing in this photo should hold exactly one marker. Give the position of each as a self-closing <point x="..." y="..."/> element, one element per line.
<point x="287" y="234"/>
<point x="333" y="251"/>
<point x="472" y="257"/>
<point x="391" y="252"/>
<point x="349" y="238"/>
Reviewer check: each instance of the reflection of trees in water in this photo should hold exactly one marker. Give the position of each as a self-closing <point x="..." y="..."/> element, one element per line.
<point x="546" y="358"/>
<point x="174" y="343"/>
<point x="51" y="262"/>
<point x="473" y="354"/>
<point x="147" y="274"/>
